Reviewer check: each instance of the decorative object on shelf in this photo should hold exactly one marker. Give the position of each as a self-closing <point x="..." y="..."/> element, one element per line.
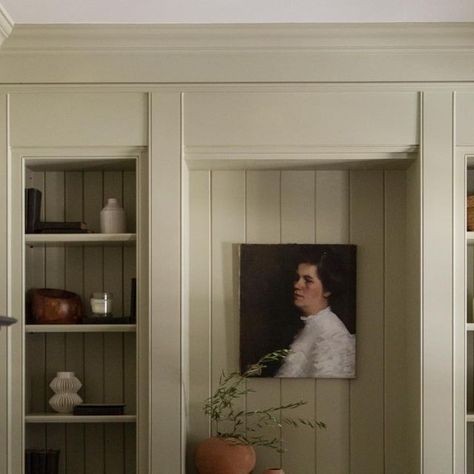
<point x="52" y="306"/>
<point x="112" y="218"/>
<point x="133" y="301"/>
<point x="101" y="304"/>
<point x="65" y="387"/>
<point x="243" y="426"/>
<point x="99" y="409"/>
<point x="41" y="461"/>
<point x="6" y="321"/>
<point x="470" y="213"/>
<point x="107" y="320"/>
<point x="224" y="456"/>
<point x="273" y="470"/>
<point x="53" y="227"/>
<point x="33" y="222"/>
<point x="32" y="209"/>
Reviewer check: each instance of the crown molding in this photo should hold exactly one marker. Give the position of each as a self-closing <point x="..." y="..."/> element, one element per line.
<point x="309" y="53"/>
<point x="241" y="38"/>
<point x="6" y="24"/>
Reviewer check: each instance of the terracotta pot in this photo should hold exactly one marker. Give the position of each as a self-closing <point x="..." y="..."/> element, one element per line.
<point x="49" y="306"/>
<point x="224" y="456"/>
<point x="274" y="470"/>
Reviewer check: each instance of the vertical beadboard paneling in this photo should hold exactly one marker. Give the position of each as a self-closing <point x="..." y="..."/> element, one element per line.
<point x="55" y="278"/>
<point x="130" y="448"/>
<point x="94" y="371"/>
<point x="93" y="393"/>
<point x="297" y="226"/>
<point x="332" y="396"/>
<point x="36" y="382"/>
<point x="395" y="370"/>
<point x="74" y="432"/>
<point x="94" y="449"/>
<point x="199" y="310"/>
<point x="263" y="226"/>
<point x="55" y="362"/>
<point x="228" y="228"/>
<point x="367" y="396"/>
<point x="93" y="199"/>
<point x="365" y="417"/>
<point x="54" y="211"/>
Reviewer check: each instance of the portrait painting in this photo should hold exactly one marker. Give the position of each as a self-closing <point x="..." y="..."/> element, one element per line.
<point x="300" y="297"/>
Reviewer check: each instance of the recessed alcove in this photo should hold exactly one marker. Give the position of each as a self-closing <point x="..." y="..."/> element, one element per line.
<point x="370" y="199"/>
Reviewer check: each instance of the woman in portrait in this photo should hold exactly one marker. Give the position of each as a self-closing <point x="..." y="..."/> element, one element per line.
<point x="323" y="348"/>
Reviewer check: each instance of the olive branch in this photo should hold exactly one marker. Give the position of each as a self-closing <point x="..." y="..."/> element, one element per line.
<point x="245" y="425"/>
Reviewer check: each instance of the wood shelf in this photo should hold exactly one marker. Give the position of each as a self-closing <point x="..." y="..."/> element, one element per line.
<point x="470" y="417"/>
<point x="470" y="238"/>
<point x="62" y="418"/>
<point x="79" y="239"/>
<point x="42" y="328"/>
<point x="469" y="326"/>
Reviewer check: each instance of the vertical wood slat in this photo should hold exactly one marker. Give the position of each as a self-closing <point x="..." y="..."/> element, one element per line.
<point x="199" y="310"/>
<point x="74" y="281"/>
<point x="4" y="389"/>
<point x="263" y="226"/>
<point x="93" y="275"/>
<point x="333" y="396"/>
<point x="227" y="228"/>
<point x="298" y="226"/>
<point x="55" y="362"/>
<point x="367" y="402"/>
<point x="166" y="442"/>
<point x="54" y="201"/>
<point x="35" y="343"/>
<point x="395" y="369"/>
<point x="437" y="285"/>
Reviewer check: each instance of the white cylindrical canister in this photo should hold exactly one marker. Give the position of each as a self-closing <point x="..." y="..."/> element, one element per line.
<point x="112" y="218"/>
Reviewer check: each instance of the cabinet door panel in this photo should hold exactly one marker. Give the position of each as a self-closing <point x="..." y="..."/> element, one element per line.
<point x="299" y="119"/>
<point x="78" y="119"/>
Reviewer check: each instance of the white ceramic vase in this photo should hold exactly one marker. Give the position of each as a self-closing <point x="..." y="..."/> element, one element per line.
<point x="65" y="387"/>
<point x="112" y="218"/>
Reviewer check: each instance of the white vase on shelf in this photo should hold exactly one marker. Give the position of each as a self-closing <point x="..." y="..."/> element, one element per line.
<point x="65" y="387"/>
<point x="112" y="218"/>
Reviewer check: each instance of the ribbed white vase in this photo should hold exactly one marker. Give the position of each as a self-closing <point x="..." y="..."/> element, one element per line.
<point x="65" y="387"/>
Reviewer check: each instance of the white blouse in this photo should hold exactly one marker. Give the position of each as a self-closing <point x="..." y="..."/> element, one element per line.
<point x="324" y="348"/>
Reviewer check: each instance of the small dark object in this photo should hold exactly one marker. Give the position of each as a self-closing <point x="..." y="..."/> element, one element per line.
<point x="107" y="320"/>
<point x="99" y="409"/>
<point x="41" y="461"/>
<point x="51" y="227"/>
<point x="32" y="209"/>
<point x="51" y="306"/>
<point x="6" y="321"/>
<point x="133" y="301"/>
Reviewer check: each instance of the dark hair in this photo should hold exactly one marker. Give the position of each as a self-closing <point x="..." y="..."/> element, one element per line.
<point x="330" y="270"/>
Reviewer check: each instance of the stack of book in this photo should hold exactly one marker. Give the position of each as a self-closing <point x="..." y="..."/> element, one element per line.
<point x="33" y="224"/>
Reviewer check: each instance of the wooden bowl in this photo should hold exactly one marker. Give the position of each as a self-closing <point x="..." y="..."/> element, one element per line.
<point x="50" y="306"/>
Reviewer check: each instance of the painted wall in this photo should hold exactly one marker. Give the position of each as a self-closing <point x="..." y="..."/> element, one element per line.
<point x="365" y="417"/>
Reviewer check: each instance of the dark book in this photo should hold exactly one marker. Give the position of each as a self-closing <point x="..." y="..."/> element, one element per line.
<point x="61" y="231"/>
<point x="62" y="226"/>
<point x="98" y="409"/>
<point x="32" y="209"/>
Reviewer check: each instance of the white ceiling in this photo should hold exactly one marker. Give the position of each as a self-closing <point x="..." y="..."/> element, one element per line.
<point x="236" y="11"/>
